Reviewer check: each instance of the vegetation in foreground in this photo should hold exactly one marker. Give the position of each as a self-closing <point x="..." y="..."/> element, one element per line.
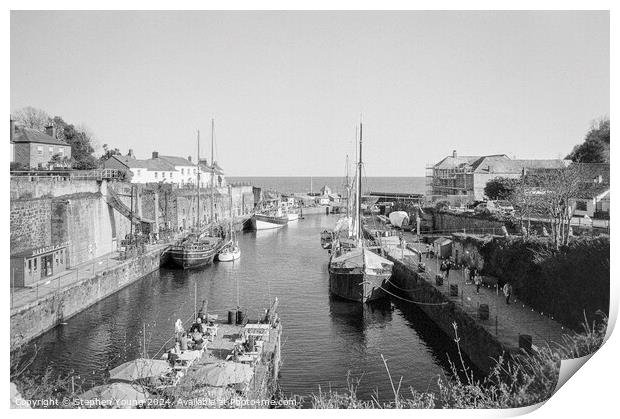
<point x="522" y="380"/>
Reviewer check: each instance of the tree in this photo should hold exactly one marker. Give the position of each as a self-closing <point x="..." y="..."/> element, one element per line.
<point x="34" y="118"/>
<point x="58" y="161"/>
<point x="501" y="188"/>
<point x="551" y="191"/>
<point x="108" y="152"/>
<point x="80" y="141"/>
<point x="595" y="148"/>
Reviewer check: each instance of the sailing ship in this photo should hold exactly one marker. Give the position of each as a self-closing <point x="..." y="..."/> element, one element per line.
<point x="199" y="248"/>
<point x="355" y="272"/>
<point x="231" y="250"/>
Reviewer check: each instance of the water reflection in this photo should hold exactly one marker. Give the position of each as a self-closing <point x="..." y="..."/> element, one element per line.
<point x="324" y="338"/>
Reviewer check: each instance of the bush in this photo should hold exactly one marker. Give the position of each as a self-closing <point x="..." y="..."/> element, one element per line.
<point x="563" y="283"/>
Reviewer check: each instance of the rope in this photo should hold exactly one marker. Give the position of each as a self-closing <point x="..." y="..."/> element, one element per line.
<point x="403" y="289"/>
<point x="413" y="302"/>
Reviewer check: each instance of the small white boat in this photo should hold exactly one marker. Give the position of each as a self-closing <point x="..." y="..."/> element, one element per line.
<point x="229" y="253"/>
<point x="292" y="216"/>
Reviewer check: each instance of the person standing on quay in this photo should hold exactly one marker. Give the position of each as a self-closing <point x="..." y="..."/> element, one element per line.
<point x="448" y="266"/>
<point x="478" y="282"/>
<point x="507" y="291"/>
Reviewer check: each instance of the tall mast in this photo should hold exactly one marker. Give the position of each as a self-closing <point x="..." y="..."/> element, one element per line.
<point x="198" y="179"/>
<point x="212" y="168"/>
<point x="358" y="209"/>
<point x="347" y="185"/>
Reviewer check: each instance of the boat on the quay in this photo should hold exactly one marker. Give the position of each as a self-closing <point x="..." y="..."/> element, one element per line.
<point x="355" y="272"/>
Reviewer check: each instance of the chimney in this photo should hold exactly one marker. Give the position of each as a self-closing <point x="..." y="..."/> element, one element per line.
<point x="12" y="129"/>
<point x="189" y="159"/>
<point x="454" y="154"/>
<point x="155" y="154"/>
<point x="130" y="154"/>
<point x="50" y="130"/>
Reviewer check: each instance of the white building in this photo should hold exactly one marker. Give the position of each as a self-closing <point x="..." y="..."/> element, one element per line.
<point x="154" y="170"/>
<point x="186" y="170"/>
<point x="167" y="169"/>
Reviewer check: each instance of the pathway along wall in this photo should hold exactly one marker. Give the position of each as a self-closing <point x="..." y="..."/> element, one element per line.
<point x="480" y="346"/>
<point x="31" y="320"/>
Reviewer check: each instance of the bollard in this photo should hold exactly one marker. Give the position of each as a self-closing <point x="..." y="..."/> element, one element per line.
<point x="454" y="290"/>
<point x="483" y="312"/>
<point x="525" y="342"/>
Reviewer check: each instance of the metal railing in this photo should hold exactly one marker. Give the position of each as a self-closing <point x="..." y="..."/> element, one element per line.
<point x="95" y="174"/>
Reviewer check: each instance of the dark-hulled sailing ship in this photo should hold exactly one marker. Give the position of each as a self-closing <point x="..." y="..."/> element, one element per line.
<point x="355" y="272"/>
<point x="199" y="248"/>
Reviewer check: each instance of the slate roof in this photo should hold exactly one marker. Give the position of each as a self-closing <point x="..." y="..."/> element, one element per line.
<point x="29" y="135"/>
<point x="492" y="164"/>
<point x="150" y="164"/>
<point x="177" y="161"/>
<point x="456" y="162"/>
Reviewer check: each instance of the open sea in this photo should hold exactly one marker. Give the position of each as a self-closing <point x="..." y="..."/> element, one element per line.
<point x="336" y="184"/>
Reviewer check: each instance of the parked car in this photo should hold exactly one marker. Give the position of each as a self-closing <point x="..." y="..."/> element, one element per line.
<point x="485" y="207"/>
<point x="505" y="207"/>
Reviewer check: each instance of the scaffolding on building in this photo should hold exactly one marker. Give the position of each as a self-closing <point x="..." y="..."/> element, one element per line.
<point x="449" y="181"/>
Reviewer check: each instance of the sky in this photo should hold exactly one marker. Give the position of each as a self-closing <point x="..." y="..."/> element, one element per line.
<point x="287" y="89"/>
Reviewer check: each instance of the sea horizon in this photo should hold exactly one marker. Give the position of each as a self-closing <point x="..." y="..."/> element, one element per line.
<point x="299" y="184"/>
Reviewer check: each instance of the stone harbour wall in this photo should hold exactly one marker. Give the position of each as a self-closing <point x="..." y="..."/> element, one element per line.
<point x="31" y="320"/>
<point x="475" y="341"/>
<point x="30" y="224"/>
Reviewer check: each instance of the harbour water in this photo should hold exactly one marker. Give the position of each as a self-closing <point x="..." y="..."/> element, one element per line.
<point x="324" y="338"/>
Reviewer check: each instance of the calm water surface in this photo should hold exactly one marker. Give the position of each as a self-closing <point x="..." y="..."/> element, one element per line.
<point x="324" y="338"/>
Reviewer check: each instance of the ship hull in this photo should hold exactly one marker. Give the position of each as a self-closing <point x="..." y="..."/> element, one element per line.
<point x="265" y="222"/>
<point x="190" y="259"/>
<point x="355" y="285"/>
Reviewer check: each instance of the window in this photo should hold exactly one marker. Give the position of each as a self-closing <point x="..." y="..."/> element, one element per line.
<point x="61" y="151"/>
<point x="51" y="150"/>
<point x="581" y="206"/>
<point x="29" y="266"/>
<point x="139" y="171"/>
<point x="35" y="264"/>
<point x="39" y="149"/>
<point x="163" y="175"/>
<point x="182" y="171"/>
<point x="155" y="175"/>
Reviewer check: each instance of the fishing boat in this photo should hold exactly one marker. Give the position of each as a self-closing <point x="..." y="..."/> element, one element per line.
<point x="269" y="219"/>
<point x="292" y="214"/>
<point x="199" y="248"/>
<point x="355" y="272"/>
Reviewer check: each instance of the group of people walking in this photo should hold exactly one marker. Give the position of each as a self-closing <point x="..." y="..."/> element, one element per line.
<point x="472" y="276"/>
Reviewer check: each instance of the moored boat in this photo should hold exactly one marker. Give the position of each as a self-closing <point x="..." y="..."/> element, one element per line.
<point x="355" y="272"/>
<point x="195" y="251"/>
<point x="265" y="221"/>
<point x="359" y="275"/>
